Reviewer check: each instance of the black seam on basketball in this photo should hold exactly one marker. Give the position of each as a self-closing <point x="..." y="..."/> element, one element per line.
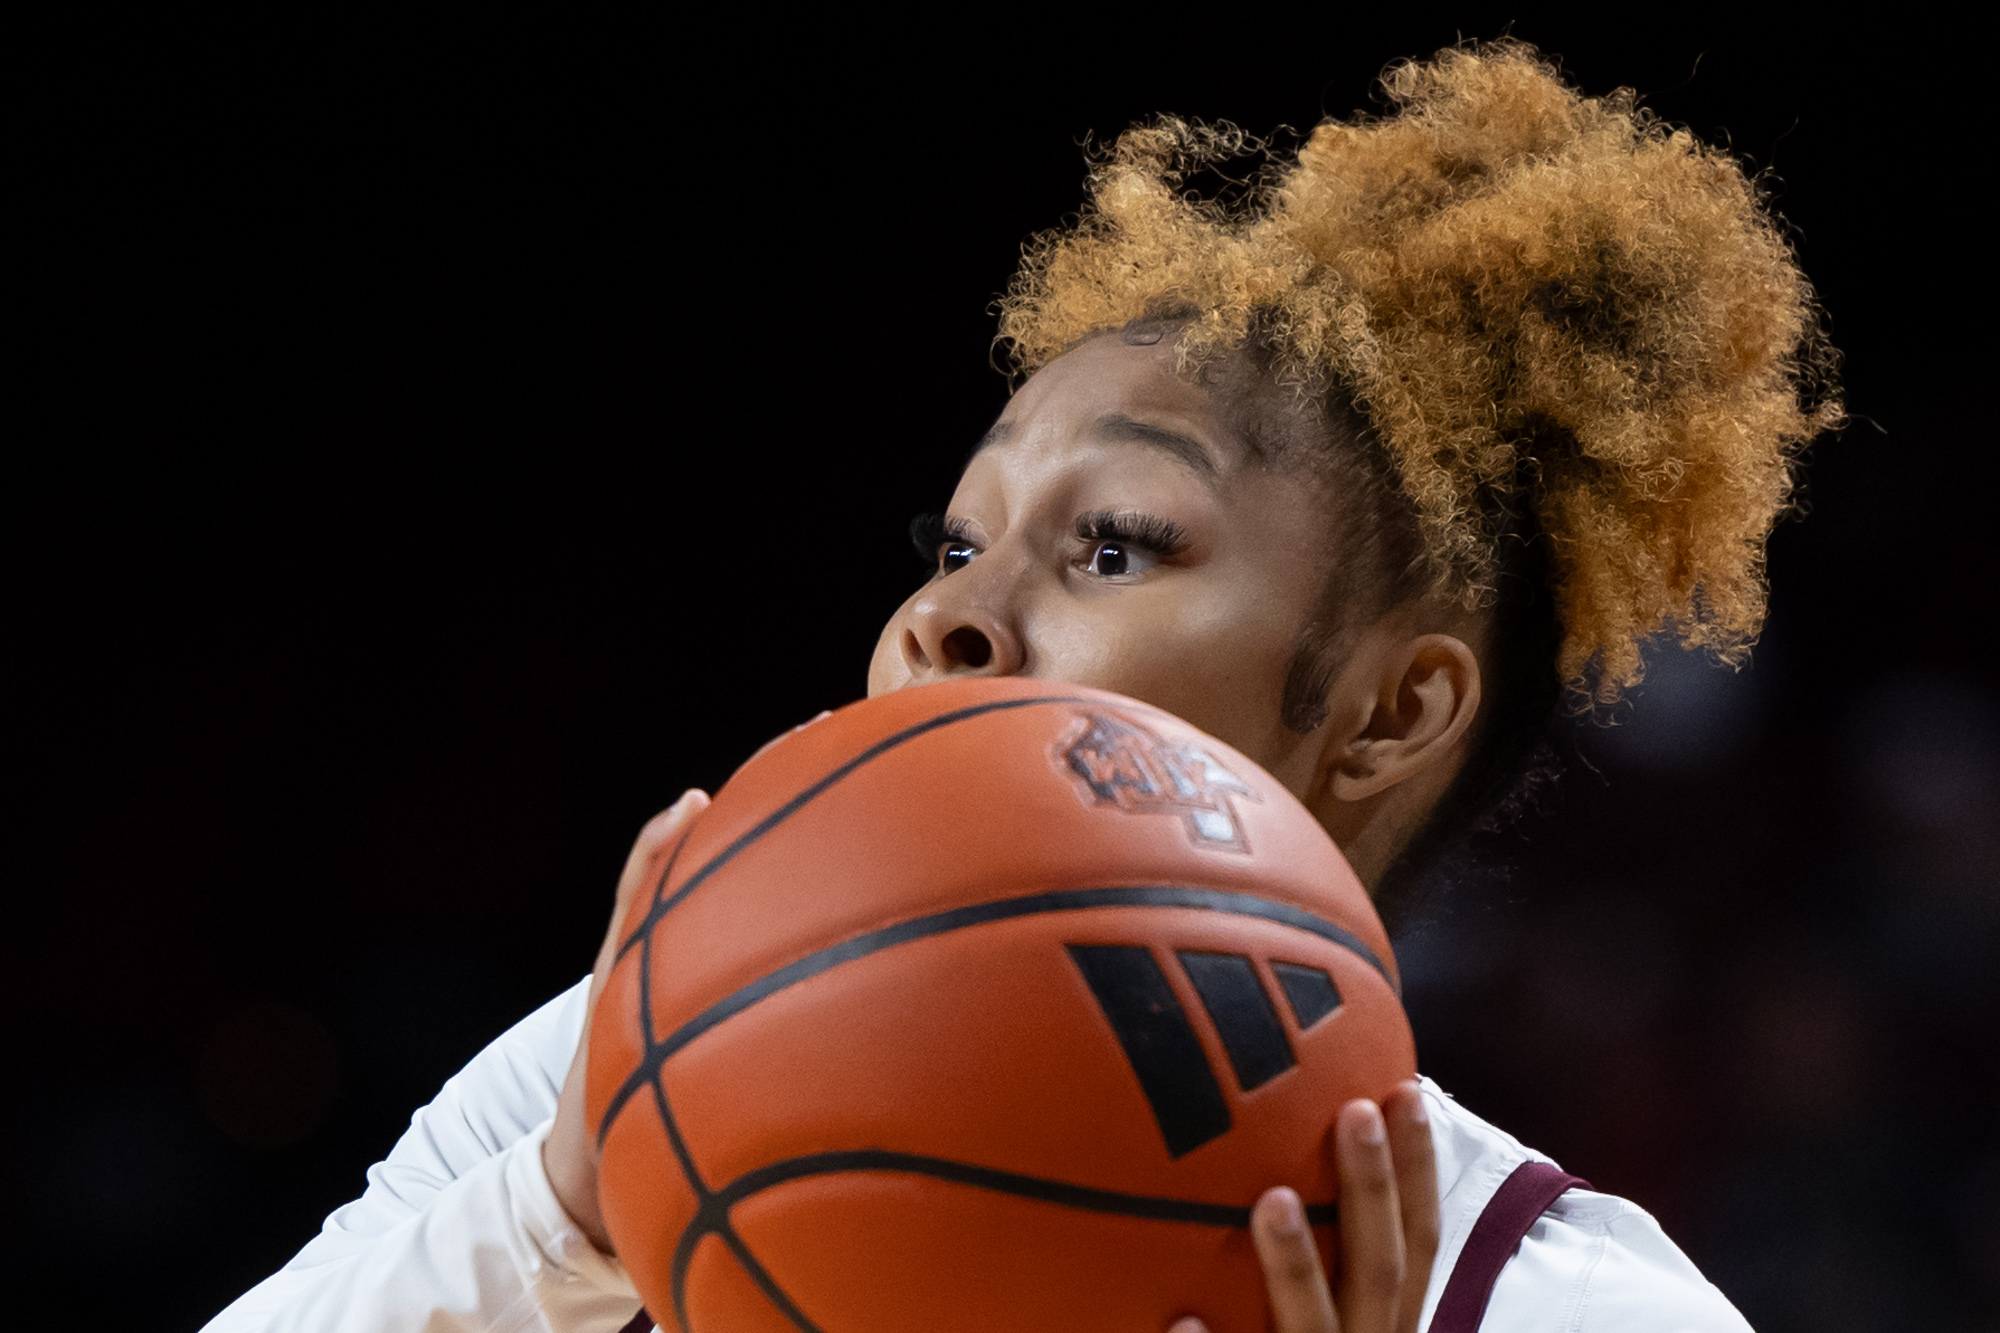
<point x="645" y="965"/>
<point x="704" y="1196"/>
<point x="662" y="906"/>
<point x="958" y="918"/>
<point x="646" y="1033"/>
<point x="712" y="1216"/>
<point x="646" y="986"/>
<point x="659" y="887"/>
<point x="705" y="1200"/>
<point x="691" y="1235"/>
<point x="712" y="1219"/>
<point x="1061" y="1192"/>
<point x="677" y="1142"/>
<point x="657" y="1084"/>
<point x="765" y="1283"/>
<point x="707" y="1207"/>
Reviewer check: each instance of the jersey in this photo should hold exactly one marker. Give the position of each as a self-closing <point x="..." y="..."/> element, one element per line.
<point x="459" y="1229"/>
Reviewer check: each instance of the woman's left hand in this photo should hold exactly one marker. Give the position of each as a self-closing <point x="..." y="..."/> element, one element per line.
<point x="1388" y="1228"/>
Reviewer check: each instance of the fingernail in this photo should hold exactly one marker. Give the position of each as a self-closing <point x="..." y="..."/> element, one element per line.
<point x="1287" y="1213"/>
<point x="1371" y="1131"/>
<point x="1189" y="1326"/>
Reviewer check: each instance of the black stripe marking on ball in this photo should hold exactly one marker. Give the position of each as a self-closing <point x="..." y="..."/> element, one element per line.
<point x="1309" y="991"/>
<point x="1159" y="1043"/>
<point x="1244" y="1017"/>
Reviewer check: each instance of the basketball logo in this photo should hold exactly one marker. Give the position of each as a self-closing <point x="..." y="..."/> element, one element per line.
<point x="1117" y="762"/>
<point x="1161" y="1044"/>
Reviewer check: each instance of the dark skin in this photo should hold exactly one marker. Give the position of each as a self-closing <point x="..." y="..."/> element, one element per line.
<point x="1122" y="529"/>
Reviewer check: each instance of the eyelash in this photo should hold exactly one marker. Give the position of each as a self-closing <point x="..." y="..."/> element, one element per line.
<point x="930" y="531"/>
<point x="1163" y="537"/>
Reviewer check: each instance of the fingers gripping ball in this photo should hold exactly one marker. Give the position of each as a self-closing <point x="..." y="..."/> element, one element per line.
<point x="984" y="1005"/>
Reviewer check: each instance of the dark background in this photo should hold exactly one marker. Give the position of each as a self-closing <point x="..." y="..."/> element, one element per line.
<point x="440" y="449"/>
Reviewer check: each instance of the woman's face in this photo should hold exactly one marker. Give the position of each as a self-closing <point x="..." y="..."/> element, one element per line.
<point x="1116" y="531"/>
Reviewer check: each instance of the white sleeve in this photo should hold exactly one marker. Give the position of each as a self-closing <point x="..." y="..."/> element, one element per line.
<point x="459" y="1228"/>
<point x="1594" y="1263"/>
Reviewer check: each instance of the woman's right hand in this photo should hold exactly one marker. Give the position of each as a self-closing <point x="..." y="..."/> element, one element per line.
<point x="569" y="1154"/>
<point x="1389" y="1227"/>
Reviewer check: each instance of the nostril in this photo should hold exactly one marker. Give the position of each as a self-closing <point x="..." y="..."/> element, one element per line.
<point x="913" y="651"/>
<point x="966" y="646"/>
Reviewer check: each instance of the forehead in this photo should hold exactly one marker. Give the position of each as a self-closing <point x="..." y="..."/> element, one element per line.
<point x="1108" y="391"/>
<point x="1105" y="369"/>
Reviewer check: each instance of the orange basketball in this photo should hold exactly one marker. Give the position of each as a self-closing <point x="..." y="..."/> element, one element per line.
<point x="994" y="1005"/>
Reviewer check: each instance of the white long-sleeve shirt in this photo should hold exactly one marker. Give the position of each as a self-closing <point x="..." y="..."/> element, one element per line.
<point x="459" y="1228"/>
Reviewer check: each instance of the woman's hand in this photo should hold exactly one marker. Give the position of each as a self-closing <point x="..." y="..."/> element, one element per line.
<point x="569" y="1154"/>
<point x="1388" y="1228"/>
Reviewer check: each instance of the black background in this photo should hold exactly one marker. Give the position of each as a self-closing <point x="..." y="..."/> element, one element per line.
<point x="444" y="447"/>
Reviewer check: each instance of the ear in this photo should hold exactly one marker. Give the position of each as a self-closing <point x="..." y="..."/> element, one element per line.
<point x="1403" y="714"/>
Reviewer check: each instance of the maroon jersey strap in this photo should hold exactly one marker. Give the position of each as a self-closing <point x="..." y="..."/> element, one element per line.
<point x="641" y="1323"/>
<point x="1521" y="1198"/>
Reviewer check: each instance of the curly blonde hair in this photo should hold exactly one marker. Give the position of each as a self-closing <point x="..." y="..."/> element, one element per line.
<point x="1537" y="299"/>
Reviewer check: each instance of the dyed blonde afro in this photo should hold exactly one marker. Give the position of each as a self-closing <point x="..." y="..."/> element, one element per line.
<point x="1538" y="299"/>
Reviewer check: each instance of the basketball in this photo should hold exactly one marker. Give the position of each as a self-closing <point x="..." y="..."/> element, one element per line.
<point x="984" y="1005"/>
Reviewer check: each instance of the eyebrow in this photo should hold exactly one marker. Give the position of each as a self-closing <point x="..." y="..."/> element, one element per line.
<point x="998" y="433"/>
<point x="1118" y="426"/>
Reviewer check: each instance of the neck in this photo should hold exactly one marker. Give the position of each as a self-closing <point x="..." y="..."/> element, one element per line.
<point x="1373" y="832"/>
<point x="1365" y="837"/>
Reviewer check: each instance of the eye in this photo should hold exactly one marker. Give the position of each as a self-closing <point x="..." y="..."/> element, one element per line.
<point x="954" y="555"/>
<point x="943" y="543"/>
<point x="1120" y="545"/>
<point x="1110" y="559"/>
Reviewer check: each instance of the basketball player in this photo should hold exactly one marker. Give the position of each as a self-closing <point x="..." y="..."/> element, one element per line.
<point x="1359" y="476"/>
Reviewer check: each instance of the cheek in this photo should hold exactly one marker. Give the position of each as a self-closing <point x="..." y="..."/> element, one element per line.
<point x="1218" y="661"/>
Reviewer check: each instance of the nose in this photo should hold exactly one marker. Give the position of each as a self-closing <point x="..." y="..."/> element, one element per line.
<point x="953" y="630"/>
